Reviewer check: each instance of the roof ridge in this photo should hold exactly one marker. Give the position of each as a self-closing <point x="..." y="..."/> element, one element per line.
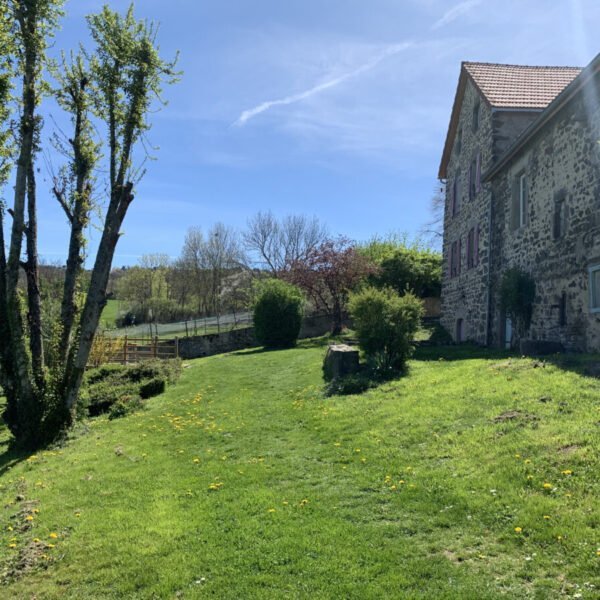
<point x="492" y="64"/>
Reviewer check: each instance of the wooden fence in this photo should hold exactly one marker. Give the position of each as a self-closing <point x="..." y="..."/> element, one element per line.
<point x="131" y="350"/>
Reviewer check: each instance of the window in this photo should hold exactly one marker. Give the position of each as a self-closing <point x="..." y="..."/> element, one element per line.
<point x="455" y="195"/>
<point x="595" y="288"/>
<point x="519" y="201"/>
<point x="560" y="217"/>
<point x="475" y="176"/>
<point x="476" y="114"/>
<point x="458" y="146"/>
<point x="473" y="248"/>
<point x="459" y="331"/>
<point x="455" y="251"/>
<point x="562" y="310"/>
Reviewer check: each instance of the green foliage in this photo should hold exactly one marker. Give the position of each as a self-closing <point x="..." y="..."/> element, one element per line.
<point x="125" y="406"/>
<point x="109" y="384"/>
<point x="385" y="324"/>
<point x="405" y="266"/>
<point x="278" y="310"/>
<point x="152" y="388"/>
<point x="356" y="383"/>
<point x="440" y="336"/>
<point x="517" y="293"/>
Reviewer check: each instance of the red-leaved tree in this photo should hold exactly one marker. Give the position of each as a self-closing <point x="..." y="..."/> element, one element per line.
<point x="328" y="273"/>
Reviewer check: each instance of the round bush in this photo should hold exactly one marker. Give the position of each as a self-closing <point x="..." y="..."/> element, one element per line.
<point x="278" y="310"/>
<point x="385" y="324"/>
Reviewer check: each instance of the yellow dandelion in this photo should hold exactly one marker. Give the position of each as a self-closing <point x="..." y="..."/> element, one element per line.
<point x="517" y="456"/>
<point x="401" y="482"/>
<point x="356" y="449"/>
<point x="546" y="517"/>
<point x="50" y="545"/>
<point x="337" y="444"/>
<point x="271" y="510"/>
<point x="518" y="529"/>
<point x="559" y="537"/>
<point x="29" y="518"/>
<point x="285" y="502"/>
<point x="547" y="486"/>
<point x="53" y="536"/>
<point x="36" y="540"/>
<point x="77" y="514"/>
<point x="567" y="472"/>
<point x="196" y="460"/>
<point x="393" y="487"/>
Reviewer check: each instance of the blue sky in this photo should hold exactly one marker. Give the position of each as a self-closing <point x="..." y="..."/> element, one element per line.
<point x="333" y="108"/>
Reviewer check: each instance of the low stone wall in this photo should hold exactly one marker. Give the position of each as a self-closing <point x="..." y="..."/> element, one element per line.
<point x="238" y="339"/>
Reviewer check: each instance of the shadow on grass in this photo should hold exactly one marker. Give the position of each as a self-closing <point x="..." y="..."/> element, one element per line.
<point x="458" y="352"/>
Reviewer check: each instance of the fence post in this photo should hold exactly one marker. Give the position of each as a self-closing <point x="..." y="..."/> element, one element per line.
<point x="125" y="350"/>
<point x="155" y="347"/>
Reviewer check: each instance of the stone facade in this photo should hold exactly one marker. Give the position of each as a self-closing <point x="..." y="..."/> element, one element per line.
<point x="538" y="209"/>
<point x="560" y="240"/>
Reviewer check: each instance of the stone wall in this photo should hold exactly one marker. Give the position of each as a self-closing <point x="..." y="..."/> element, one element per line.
<point x="561" y="163"/>
<point x="238" y="339"/>
<point x="466" y="296"/>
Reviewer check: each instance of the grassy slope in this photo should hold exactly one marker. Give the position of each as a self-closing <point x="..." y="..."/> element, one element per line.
<point x="304" y="504"/>
<point x="109" y="314"/>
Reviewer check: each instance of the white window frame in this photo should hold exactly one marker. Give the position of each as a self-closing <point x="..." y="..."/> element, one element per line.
<point x="594" y="294"/>
<point x="522" y="200"/>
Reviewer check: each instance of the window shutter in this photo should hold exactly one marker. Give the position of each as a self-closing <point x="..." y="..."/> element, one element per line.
<point x="526" y="201"/>
<point x="478" y="173"/>
<point x="476" y="248"/>
<point x="452" y="201"/>
<point x="459" y="253"/>
<point x="514" y="211"/>
<point x="450" y="259"/>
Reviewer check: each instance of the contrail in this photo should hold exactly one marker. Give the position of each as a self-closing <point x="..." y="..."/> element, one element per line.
<point x="455" y="12"/>
<point x="253" y="112"/>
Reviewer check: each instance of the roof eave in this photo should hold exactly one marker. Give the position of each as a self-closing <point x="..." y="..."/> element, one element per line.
<point x="545" y="115"/>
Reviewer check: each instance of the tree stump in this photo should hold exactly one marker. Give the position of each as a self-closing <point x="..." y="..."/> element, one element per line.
<point x="340" y="360"/>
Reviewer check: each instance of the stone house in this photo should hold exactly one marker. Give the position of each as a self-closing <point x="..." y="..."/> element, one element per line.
<point x="521" y="165"/>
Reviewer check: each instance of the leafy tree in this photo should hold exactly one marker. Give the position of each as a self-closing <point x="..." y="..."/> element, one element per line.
<point x="329" y="273"/>
<point x="385" y="324"/>
<point x="118" y="81"/>
<point x="404" y="266"/>
<point x="517" y="294"/>
<point x="278" y="309"/>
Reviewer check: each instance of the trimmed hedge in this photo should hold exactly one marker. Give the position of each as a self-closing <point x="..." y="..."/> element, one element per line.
<point x="278" y="310"/>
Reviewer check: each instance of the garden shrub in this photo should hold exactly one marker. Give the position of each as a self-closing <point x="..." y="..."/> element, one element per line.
<point x="385" y="324"/>
<point x="517" y="293"/>
<point x="101" y="396"/>
<point x="125" y="406"/>
<point x="440" y="336"/>
<point x="107" y="385"/>
<point x="356" y="383"/>
<point x="278" y="310"/>
<point x="153" y="387"/>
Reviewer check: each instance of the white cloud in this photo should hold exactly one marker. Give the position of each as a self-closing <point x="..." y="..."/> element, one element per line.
<point x="455" y="12"/>
<point x="390" y="50"/>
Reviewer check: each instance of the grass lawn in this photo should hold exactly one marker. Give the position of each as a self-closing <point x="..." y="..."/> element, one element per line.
<point x="109" y="314"/>
<point x="475" y="476"/>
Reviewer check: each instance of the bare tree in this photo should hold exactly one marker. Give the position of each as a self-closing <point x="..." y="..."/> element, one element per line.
<point x="433" y="230"/>
<point x="276" y="245"/>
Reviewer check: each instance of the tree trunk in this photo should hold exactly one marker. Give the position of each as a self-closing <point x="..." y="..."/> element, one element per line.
<point x="96" y="297"/>
<point x="34" y="300"/>
<point x="336" y="328"/>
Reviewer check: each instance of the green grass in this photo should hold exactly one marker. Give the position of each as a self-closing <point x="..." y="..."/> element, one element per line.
<point x="242" y="481"/>
<point x="110" y="314"/>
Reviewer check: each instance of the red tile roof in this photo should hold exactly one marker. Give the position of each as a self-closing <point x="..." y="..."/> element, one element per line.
<point x="520" y="86"/>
